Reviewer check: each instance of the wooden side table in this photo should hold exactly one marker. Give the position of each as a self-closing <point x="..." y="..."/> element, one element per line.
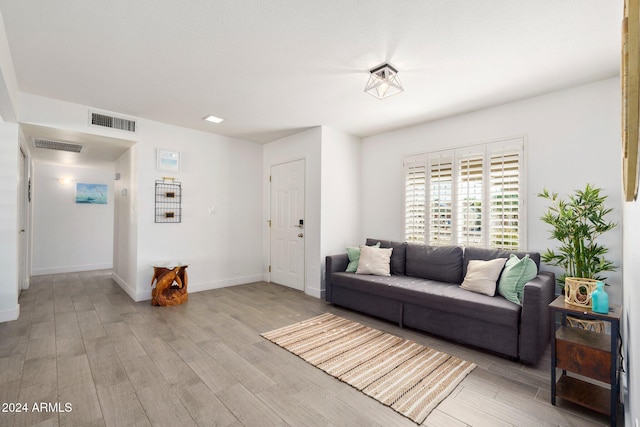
<point x="591" y="355"/>
<point x="171" y="284"/>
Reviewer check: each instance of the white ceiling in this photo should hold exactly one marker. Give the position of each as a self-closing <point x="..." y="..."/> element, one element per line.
<point x="274" y="67"/>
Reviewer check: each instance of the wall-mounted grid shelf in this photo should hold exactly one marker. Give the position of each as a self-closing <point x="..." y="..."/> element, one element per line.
<point x="168" y="207"/>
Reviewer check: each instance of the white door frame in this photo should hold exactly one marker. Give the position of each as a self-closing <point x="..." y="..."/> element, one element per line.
<point x="24" y="205"/>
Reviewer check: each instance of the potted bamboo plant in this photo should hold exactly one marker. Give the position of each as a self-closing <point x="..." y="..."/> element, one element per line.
<point x="576" y="223"/>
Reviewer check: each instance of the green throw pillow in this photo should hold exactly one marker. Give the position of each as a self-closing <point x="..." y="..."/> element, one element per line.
<point x="517" y="272"/>
<point x="354" y="256"/>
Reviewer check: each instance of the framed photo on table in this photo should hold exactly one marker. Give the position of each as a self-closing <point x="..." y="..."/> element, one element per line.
<point x="168" y="160"/>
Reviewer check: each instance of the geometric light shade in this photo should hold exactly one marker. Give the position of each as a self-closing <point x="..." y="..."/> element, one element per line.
<point x="383" y="82"/>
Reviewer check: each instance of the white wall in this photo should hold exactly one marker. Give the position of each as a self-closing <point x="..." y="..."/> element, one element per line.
<point x="68" y="236"/>
<point x="631" y="317"/>
<point x="304" y="145"/>
<point x="125" y="239"/>
<point x="8" y="82"/>
<point x="9" y="158"/>
<point x="222" y="248"/>
<point x="573" y="138"/>
<point x="9" y="154"/>
<point x="340" y="193"/>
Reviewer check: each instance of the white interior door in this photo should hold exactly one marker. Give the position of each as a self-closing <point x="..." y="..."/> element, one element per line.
<point x="287" y="224"/>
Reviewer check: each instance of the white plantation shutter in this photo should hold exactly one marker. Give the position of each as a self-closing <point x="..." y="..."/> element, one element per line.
<point x="505" y="199"/>
<point x="470" y="196"/>
<point x="470" y="202"/>
<point x="415" y="186"/>
<point x="440" y="199"/>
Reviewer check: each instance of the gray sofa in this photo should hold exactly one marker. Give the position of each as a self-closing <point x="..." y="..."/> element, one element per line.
<point x="423" y="292"/>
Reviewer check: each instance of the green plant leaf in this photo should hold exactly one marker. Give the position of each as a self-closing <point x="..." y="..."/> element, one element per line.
<point x="577" y="222"/>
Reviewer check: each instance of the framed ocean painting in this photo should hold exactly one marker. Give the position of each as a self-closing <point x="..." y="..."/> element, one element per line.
<point x="95" y="194"/>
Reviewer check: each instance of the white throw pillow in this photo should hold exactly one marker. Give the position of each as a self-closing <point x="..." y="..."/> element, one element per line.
<point x="482" y="276"/>
<point x="376" y="261"/>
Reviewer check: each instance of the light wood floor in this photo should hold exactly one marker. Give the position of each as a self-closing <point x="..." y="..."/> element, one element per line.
<point x="81" y="340"/>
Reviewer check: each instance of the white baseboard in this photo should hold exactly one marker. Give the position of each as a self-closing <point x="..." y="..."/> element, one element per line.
<point x="70" y="269"/>
<point x="207" y="286"/>
<point x="129" y="289"/>
<point x="10" y="314"/>
<point x="314" y="292"/>
<point x="145" y="294"/>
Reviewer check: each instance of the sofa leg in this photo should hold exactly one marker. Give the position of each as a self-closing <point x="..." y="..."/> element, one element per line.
<point x="401" y="315"/>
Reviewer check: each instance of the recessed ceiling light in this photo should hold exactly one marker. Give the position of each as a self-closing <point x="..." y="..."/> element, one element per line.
<point x="213" y="119"/>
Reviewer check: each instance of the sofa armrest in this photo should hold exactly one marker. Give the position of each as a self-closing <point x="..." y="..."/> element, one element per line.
<point x="333" y="264"/>
<point x="535" y="320"/>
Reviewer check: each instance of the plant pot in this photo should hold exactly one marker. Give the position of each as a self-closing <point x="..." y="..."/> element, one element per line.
<point x="577" y="291"/>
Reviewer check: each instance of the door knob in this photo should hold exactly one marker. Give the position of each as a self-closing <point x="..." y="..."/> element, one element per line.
<point x="300" y="235"/>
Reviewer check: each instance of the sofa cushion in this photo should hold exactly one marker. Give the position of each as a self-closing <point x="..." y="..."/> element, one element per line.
<point x="482" y="276"/>
<point x="376" y="261"/>
<point x="398" y="256"/>
<point x="354" y="257"/>
<point x="488" y="254"/>
<point x="517" y="272"/>
<point x="441" y="263"/>
<point x="434" y="295"/>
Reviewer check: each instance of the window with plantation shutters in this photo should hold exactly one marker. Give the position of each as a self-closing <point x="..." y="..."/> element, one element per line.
<point x="415" y="181"/>
<point x="440" y="199"/>
<point x="469" y="196"/>
<point x="505" y="198"/>
<point x="470" y="199"/>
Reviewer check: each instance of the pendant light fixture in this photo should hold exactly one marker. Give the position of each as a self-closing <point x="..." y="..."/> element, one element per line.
<point x="383" y="82"/>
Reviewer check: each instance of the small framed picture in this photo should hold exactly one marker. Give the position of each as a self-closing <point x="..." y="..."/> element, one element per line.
<point x="95" y="194"/>
<point x="168" y="160"/>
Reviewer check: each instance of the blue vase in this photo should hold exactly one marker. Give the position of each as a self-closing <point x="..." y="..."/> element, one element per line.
<point x="600" y="299"/>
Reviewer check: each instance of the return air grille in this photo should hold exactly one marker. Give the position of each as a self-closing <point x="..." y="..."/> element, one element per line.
<point x="51" y="144"/>
<point x="113" y="122"/>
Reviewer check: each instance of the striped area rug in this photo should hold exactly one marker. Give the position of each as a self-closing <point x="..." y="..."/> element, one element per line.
<point x="406" y="376"/>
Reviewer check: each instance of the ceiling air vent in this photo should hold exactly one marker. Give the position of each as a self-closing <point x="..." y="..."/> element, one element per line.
<point x="112" y="122"/>
<point x="51" y="144"/>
